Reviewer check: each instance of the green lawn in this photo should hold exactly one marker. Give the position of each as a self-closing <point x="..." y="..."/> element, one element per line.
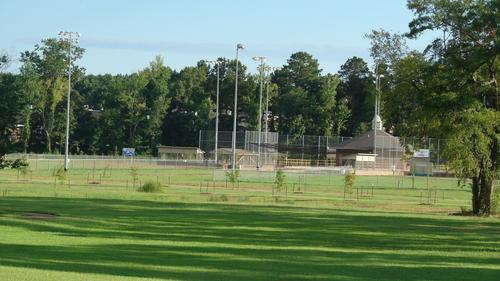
<point x="110" y="232"/>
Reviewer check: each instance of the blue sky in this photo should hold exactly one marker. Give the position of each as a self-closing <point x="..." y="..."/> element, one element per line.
<point x="122" y="36"/>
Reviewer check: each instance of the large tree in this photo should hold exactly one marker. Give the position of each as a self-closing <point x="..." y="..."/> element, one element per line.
<point x="191" y="108"/>
<point x="9" y="108"/>
<point x="50" y="60"/>
<point x="356" y="89"/>
<point x="30" y="86"/>
<point x="463" y="90"/>
<point x="386" y="48"/>
<point x="306" y="99"/>
<point x="403" y="113"/>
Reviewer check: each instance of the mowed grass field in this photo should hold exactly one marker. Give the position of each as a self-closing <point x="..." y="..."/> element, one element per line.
<point x="391" y="230"/>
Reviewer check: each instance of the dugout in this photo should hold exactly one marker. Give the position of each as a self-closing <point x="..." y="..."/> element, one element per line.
<point x="180" y="153"/>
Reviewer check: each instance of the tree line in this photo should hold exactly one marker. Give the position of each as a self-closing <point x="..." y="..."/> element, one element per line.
<point x="449" y="90"/>
<point x="158" y="105"/>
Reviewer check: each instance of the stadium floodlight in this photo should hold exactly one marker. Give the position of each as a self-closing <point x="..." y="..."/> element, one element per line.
<point x="71" y="38"/>
<point x="238" y="48"/>
<point x="217" y="63"/>
<point x="261" y="69"/>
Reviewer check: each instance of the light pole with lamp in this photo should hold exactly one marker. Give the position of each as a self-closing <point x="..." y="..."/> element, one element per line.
<point x="217" y="63"/>
<point x="266" y="114"/>
<point x="261" y="73"/>
<point x="377" y="121"/>
<point x="238" y="47"/>
<point x="71" y="38"/>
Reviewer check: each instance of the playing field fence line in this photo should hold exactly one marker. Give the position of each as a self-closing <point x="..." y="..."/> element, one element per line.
<point x="307" y="150"/>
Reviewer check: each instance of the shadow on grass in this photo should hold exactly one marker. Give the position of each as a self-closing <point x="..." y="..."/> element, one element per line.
<point x="238" y="242"/>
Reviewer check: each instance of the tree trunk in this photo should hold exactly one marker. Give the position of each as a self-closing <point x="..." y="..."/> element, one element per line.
<point x="49" y="142"/>
<point x="476" y="203"/>
<point x="485" y="195"/>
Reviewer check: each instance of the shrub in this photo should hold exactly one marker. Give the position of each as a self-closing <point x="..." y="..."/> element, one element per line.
<point x="4" y="162"/>
<point x="21" y="164"/>
<point x="18" y="164"/>
<point x="150" y="187"/>
<point x="349" y="180"/>
<point x="60" y="174"/>
<point x="280" y="180"/>
<point x="233" y="177"/>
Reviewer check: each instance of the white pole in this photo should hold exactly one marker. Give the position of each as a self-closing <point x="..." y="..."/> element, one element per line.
<point x="261" y="69"/>
<point x="66" y="144"/>
<point x="70" y="38"/>
<point x="217" y="115"/>
<point x="235" y="113"/>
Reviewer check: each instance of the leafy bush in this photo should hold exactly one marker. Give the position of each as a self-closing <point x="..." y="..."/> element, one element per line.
<point x="60" y="174"/>
<point x="280" y="180"/>
<point x="349" y="180"/>
<point x="233" y="177"/>
<point x="21" y="164"/>
<point x="4" y="162"/>
<point x="150" y="187"/>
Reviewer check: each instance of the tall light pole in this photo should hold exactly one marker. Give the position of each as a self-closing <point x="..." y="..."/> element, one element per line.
<point x="238" y="47"/>
<point x="377" y="121"/>
<point x="71" y="38"/>
<point x="217" y="63"/>
<point x="261" y="73"/>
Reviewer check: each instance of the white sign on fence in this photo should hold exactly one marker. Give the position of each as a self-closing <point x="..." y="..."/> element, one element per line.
<point x="421" y="153"/>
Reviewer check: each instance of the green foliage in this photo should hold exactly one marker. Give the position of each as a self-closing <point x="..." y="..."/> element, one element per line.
<point x="356" y="92"/>
<point x="60" y="173"/>
<point x="495" y="200"/>
<point x="10" y="105"/>
<point x="280" y="180"/>
<point x="349" y="181"/>
<point x="4" y="61"/>
<point x="472" y="137"/>
<point x="306" y="99"/>
<point x="151" y="187"/>
<point x="386" y="48"/>
<point x="4" y="163"/>
<point x="460" y="93"/>
<point x="45" y="69"/>
<point x="233" y="176"/>
<point x="21" y="164"/>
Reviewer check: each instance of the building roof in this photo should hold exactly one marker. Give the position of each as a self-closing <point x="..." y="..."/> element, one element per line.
<point x="364" y="142"/>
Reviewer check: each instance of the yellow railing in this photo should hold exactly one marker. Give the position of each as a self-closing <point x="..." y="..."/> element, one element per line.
<point x="305" y="163"/>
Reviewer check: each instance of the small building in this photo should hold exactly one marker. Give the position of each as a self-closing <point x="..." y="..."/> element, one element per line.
<point x="421" y="164"/>
<point x="375" y="149"/>
<point x="180" y="153"/>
